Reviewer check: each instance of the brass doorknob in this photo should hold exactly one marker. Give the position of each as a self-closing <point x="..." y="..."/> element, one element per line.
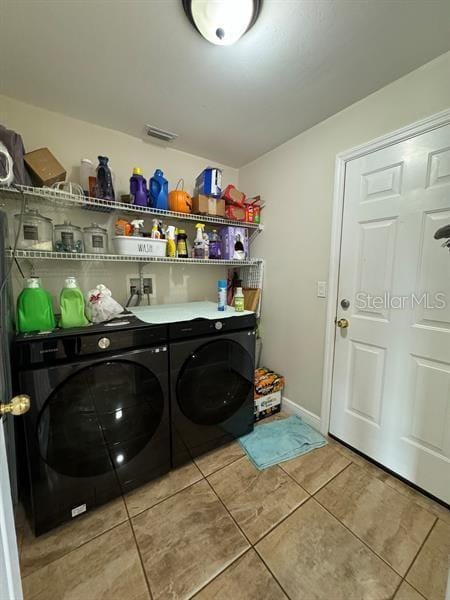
<point x="19" y="405"/>
<point x="342" y="323"/>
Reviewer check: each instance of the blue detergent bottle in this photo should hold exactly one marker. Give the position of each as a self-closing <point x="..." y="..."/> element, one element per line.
<point x="159" y="191"/>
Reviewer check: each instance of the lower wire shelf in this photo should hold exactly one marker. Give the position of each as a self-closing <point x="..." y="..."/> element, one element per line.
<point x="46" y="255"/>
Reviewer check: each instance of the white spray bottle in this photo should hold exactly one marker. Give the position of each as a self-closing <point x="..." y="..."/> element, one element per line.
<point x="199" y="242"/>
<point x="137" y="224"/>
<point x="156" y="235"/>
<point x="171" y="246"/>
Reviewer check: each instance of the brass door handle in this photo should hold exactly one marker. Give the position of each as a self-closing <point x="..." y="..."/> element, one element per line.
<point x="19" y="405"/>
<point x="342" y="323"/>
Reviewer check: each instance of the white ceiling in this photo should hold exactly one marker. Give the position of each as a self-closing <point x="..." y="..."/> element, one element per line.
<point x="123" y="64"/>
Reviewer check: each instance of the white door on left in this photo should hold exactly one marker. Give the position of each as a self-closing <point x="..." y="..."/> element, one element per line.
<point x="10" y="584"/>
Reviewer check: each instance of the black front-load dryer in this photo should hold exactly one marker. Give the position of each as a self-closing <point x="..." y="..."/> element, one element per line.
<point x="99" y="424"/>
<point x="211" y="377"/>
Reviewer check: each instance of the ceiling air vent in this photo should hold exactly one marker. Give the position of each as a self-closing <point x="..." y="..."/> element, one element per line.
<point x="160" y="134"/>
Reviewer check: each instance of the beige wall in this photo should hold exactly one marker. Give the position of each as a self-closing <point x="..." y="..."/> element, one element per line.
<point x="70" y="140"/>
<point x="296" y="182"/>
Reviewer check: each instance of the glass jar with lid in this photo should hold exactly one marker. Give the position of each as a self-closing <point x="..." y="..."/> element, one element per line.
<point x="95" y="239"/>
<point x="68" y="238"/>
<point x="35" y="232"/>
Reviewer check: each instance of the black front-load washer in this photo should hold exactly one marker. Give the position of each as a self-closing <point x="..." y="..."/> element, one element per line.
<point x="211" y="378"/>
<point x="99" y="423"/>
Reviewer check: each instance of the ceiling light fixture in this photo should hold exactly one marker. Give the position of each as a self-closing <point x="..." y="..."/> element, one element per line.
<point x="222" y="22"/>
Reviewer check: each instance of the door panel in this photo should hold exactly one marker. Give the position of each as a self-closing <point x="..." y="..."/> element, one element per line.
<point x="432" y="389"/>
<point x="367" y="364"/>
<point x="376" y="259"/>
<point x="439" y="168"/>
<point x="391" y="379"/>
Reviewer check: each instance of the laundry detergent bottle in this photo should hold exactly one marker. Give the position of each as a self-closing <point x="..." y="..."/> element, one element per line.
<point x="71" y="303"/>
<point x="159" y="191"/>
<point x="34" y="308"/>
<point x="138" y="188"/>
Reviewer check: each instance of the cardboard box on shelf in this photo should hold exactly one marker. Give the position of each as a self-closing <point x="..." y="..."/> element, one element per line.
<point x="233" y="196"/>
<point x="268" y="389"/>
<point x="209" y="182"/>
<point x="236" y="213"/>
<point x="234" y="242"/>
<point x="43" y="167"/>
<point x="206" y="205"/>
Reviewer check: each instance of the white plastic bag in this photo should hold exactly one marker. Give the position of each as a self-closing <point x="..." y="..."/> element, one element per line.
<point x="100" y="306"/>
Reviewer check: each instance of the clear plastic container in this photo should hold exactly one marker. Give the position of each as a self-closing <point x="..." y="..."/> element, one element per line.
<point x="68" y="238"/>
<point x="36" y="231"/>
<point x="95" y="239"/>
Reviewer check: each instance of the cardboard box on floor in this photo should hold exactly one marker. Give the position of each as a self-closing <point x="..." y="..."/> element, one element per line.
<point x="268" y="389"/>
<point x="43" y="167"/>
<point x="206" y="205"/>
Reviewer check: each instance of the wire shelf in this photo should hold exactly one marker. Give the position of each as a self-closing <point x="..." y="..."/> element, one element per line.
<point x="67" y="200"/>
<point x="45" y="255"/>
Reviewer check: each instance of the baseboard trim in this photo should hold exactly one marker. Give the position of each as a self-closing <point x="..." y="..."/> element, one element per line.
<point x="294" y="409"/>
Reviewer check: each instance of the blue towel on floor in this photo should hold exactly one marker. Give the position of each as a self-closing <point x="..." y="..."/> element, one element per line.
<point x="280" y="440"/>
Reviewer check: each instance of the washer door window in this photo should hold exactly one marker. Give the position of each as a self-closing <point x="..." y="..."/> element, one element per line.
<point x="214" y="382"/>
<point x="100" y="418"/>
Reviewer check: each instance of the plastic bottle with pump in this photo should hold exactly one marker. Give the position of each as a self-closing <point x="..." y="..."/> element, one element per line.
<point x="136" y="225"/>
<point x="200" y="244"/>
<point x="71" y="303"/>
<point x="171" y="248"/>
<point x="155" y="234"/>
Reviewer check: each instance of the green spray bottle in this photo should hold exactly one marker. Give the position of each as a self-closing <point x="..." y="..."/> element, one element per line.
<point x="71" y="303"/>
<point x="34" y="308"/>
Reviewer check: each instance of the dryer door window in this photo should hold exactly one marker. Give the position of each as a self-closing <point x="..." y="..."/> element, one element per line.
<point x="214" y="382"/>
<point x="100" y="418"/>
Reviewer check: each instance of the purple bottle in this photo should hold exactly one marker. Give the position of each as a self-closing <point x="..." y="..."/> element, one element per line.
<point x="138" y="188"/>
<point x="215" y="245"/>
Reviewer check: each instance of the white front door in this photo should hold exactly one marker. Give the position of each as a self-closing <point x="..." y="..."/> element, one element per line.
<point x="391" y="378"/>
<point x="10" y="585"/>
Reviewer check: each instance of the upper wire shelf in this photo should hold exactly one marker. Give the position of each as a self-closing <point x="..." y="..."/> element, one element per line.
<point x="67" y="200"/>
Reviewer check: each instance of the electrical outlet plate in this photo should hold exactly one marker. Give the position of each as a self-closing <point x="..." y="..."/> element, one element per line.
<point x="134" y="281"/>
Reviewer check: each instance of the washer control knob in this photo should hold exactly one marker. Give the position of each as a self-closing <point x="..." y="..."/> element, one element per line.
<point x="218" y="325"/>
<point x="104" y="343"/>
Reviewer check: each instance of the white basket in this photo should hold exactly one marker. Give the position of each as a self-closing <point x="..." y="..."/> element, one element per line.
<point x="139" y="246"/>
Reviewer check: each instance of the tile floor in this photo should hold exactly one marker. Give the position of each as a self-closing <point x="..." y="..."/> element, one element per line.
<point x="327" y="525"/>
